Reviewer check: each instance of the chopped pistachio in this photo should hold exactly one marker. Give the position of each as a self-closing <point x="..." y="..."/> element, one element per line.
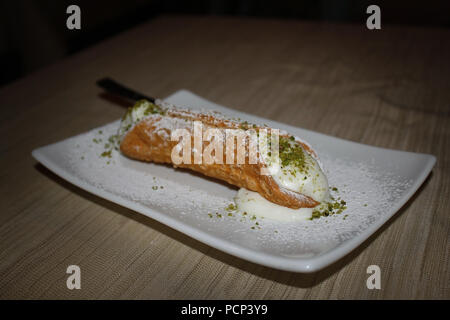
<point x="106" y="154"/>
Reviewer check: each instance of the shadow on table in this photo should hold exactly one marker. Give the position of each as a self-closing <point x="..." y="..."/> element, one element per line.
<point x="300" y="280"/>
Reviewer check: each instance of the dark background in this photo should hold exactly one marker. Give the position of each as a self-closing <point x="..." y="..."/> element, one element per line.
<point x="33" y="33"/>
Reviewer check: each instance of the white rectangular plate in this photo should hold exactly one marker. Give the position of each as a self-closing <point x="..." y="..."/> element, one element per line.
<point x="374" y="182"/>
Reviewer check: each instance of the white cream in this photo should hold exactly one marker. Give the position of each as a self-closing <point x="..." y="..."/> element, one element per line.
<point x="311" y="182"/>
<point x="254" y="204"/>
<point x="134" y="115"/>
<point x="308" y="180"/>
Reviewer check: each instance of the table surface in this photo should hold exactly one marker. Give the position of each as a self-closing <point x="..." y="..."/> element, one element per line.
<point x="387" y="88"/>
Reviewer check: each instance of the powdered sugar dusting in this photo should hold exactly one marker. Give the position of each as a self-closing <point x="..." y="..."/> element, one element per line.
<point x="200" y="202"/>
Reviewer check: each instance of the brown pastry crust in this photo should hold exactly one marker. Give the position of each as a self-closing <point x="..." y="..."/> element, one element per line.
<point x="149" y="141"/>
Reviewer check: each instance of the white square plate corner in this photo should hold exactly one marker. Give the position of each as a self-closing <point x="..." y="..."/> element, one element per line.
<point x="374" y="182"/>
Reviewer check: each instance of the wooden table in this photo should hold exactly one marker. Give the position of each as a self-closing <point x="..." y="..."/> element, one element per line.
<point x="388" y="88"/>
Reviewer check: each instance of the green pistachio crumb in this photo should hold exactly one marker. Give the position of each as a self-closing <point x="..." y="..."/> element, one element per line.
<point x="336" y="206"/>
<point x="292" y="153"/>
<point x="106" y="154"/>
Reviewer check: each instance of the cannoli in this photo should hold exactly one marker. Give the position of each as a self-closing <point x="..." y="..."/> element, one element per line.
<point x="146" y="134"/>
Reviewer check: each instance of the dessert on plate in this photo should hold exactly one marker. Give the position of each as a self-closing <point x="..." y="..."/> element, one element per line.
<point x="283" y="180"/>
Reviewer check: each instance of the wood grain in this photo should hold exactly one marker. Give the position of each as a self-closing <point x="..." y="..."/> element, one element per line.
<point x="388" y="88"/>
